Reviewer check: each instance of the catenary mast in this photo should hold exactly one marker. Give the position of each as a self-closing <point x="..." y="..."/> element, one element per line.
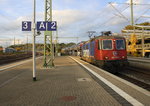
<point x="48" y="45"/>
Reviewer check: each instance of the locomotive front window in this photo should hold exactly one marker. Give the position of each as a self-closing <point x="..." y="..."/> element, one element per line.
<point x="120" y="44"/>
<point x="107" y="44"/>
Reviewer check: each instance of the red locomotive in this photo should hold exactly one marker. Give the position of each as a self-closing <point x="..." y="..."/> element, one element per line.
<point x="106" y="51"/>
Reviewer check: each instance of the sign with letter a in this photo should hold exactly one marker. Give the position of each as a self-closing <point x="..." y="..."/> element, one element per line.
<point x="41" y="26"/>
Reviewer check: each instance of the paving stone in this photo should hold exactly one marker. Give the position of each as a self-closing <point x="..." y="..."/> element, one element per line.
<point x="54" y="87"/>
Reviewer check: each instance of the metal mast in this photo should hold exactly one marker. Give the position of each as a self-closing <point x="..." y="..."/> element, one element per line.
<point x="48" y="45"/>
<point x="132" y="17"/>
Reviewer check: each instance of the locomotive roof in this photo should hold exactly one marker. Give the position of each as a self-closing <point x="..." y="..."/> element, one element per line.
<point x="105" y="37"/>
<point x="108" y="37"/>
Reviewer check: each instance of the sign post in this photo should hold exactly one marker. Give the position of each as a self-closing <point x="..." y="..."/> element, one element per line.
<point x="41" y="26"/>
<point x="33" y="29"/>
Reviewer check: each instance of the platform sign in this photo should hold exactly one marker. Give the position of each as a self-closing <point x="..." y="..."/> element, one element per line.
<point x="26" y="25"/>
<point x="46" y="26"/>
<point x="52" y="26"/>
<point x="41" y="26"/>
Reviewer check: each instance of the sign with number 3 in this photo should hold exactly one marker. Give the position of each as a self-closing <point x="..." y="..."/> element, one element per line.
<point x="26" y="26"/>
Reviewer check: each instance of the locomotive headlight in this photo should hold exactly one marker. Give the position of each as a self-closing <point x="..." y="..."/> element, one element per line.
<point x="123" y="57"/>
<point x="106" y="57"/>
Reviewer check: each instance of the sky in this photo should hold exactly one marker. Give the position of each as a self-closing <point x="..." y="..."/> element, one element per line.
<point x="74" y="18"/>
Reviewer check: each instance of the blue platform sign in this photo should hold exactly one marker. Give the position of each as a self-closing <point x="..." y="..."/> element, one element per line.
<point x="46" y="26"/>
<point x="26" y="25"/>
<point x="52" y="26"/>
<point x="41" y="26"/>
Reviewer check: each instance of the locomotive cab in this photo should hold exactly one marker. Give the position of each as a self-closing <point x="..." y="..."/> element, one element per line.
<point x="106" y="51"/>
<point x="112" y="49"/>
<point x="111" y="52"/>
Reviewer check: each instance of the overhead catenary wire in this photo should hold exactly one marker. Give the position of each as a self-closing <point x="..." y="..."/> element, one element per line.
<point x="136" y="4"/>
<point x="118" y="11"/>
<point x="111" y="18"/>
<point x="142" y="14"/>
<point x="108" y="20"/>
<point x="120" y="15"/>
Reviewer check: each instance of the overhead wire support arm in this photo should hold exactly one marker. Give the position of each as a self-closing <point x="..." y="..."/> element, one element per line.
<point x="133" y="3"/>
<point x="144" y="16"/>
<point x="67" y="37"/>
<point x="140" y="4"/>
<point x="121" y="3"/>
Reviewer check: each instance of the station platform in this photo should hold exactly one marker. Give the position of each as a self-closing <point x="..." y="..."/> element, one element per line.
<point x="71" y="82"/>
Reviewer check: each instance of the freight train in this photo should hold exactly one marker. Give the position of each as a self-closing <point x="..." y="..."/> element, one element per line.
<point x="108" y="52"/>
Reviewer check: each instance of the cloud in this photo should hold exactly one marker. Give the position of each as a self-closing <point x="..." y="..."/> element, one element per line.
<point x="69" y="1"/>
<point x="2" y="2"/>
<point x="67" y="18"/>
<point x="73" y="22"/>
<point x="8" y="25"/>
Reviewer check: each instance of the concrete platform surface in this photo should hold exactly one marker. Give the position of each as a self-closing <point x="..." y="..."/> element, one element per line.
<point x="68" y="84"/>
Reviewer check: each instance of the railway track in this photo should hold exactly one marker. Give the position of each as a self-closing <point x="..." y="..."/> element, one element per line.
<point x="10" y="59"/>
<point x="137" y="72"/>
<point x="13" y="58"/>
<point x="137" y="76"/>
